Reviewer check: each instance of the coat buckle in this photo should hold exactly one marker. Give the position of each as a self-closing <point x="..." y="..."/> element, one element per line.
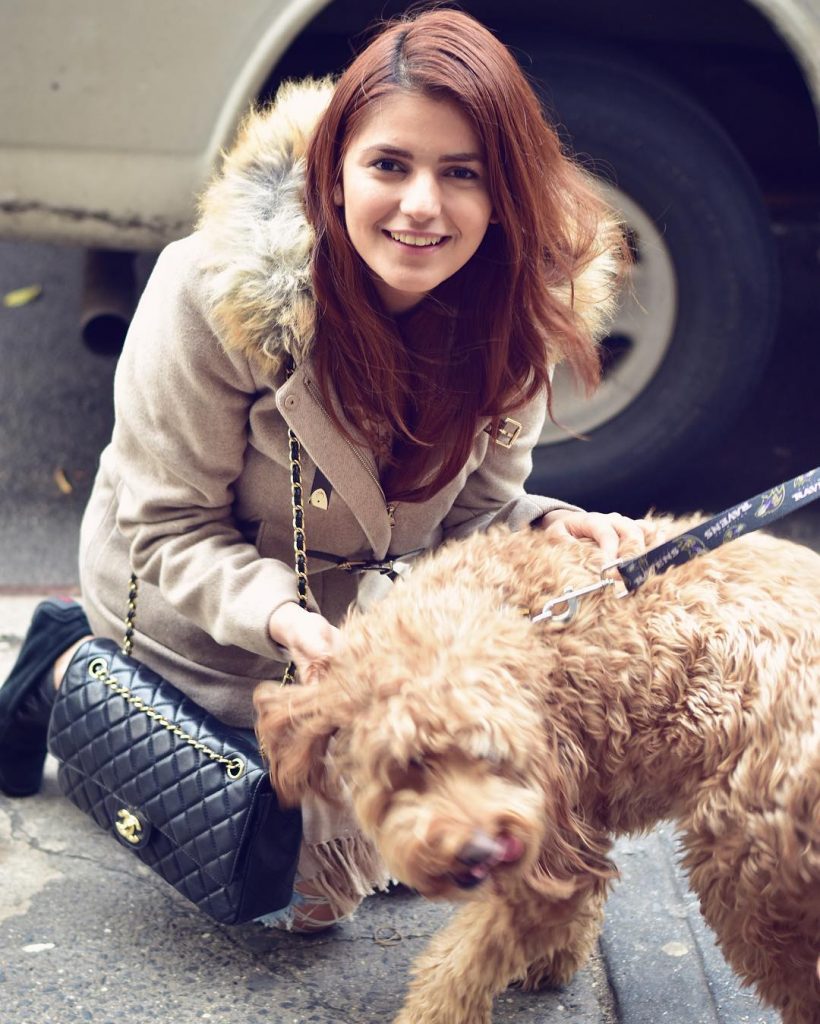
<point x="508" y="431"/>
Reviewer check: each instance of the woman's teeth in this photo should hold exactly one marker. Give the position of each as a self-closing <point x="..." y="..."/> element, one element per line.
<point x="419" y="240"/>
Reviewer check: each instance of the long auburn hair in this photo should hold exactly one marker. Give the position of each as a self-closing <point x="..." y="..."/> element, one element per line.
<point x="494" y="330"/>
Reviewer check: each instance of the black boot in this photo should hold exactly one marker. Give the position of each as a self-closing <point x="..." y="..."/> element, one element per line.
<point x="27" y="695"/>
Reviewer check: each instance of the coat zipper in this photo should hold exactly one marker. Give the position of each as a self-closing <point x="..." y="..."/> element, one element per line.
<point x="390" y="507"/>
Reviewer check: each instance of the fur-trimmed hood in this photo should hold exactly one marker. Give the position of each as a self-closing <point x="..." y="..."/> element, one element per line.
<point x="258" y="242"/>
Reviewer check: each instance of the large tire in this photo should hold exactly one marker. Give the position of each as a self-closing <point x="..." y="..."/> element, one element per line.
<point x="691" y="349"/>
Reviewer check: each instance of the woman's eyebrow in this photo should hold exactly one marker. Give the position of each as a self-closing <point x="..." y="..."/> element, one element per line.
<point x="391" y="151"/>
<point x="464" y="158"/>
<point x="447" y="158"/>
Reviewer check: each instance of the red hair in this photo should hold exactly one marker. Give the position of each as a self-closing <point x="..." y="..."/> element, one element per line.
<point x="498" y="327"/>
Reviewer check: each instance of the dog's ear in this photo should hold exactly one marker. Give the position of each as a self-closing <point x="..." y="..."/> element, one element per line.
<point x="574" y="853"/>
<point x="294" y="725"/>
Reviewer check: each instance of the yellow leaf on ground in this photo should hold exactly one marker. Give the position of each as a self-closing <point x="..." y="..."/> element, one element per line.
<point x="62" y="481"/>
<point x="22" y="296"/>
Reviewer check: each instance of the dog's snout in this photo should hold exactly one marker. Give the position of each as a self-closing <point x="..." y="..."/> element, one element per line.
<point x="480" y="849"/>
<point x="479" y="855"/>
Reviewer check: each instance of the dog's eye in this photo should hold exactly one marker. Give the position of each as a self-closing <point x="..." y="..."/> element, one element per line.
<point x="417" y="764"/>
<point x="494" y="764"/>
<point x="493" y="759"/>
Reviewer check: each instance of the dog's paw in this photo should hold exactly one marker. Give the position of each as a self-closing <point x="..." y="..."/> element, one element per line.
<point x="554" y="971"/>
<point x="413" y="1014"/>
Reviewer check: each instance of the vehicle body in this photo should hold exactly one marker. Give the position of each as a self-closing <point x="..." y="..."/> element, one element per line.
<point x="114" y="116"/>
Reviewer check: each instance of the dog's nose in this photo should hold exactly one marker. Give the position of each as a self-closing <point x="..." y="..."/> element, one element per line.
<point x="478" y="855"/>
<point x="478" y="850"/>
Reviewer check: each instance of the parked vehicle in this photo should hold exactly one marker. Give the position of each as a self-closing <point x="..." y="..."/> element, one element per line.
<point x="113" y="117"/>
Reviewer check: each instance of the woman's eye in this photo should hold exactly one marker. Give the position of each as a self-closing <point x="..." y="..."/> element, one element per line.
<point x="462" y="173"/>
<point x="387" y="165"/>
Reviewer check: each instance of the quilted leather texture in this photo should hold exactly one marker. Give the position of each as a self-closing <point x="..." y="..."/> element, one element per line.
<point x="223" y="843"/>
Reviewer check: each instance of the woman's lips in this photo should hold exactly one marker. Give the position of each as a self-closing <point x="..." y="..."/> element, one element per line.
<point x="416" y="240"/>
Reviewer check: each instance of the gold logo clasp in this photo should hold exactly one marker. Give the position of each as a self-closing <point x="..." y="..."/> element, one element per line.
<point x="129" y="826"/>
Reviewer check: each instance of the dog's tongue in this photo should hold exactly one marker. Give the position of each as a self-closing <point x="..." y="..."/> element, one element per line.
<point x="512" y="849"/>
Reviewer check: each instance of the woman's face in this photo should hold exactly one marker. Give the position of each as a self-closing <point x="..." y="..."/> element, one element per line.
<point x="414" y="195"/>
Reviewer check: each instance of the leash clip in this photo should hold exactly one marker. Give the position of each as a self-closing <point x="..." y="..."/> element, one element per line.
<point x="569" y="598"/>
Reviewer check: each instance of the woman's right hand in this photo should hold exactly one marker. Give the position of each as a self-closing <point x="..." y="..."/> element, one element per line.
<point x="308" y="636"/>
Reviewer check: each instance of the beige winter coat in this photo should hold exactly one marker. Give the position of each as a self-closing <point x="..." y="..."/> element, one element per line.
<point x="193" y="492"/>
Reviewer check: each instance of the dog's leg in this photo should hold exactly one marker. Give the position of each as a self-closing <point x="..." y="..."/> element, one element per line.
<point x="768" y="930"/>
<point x="569" y="946"/>
<point x="474" y="957"/>
<point x="487" y="946"/>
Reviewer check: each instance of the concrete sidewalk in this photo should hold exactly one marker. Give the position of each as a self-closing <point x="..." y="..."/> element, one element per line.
<point x="89" y="934"/>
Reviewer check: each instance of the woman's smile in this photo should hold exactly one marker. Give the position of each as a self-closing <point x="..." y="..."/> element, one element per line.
<point x="416" y="241"/>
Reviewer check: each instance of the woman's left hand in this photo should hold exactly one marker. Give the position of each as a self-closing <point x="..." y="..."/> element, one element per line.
<point x="608" y="530"/>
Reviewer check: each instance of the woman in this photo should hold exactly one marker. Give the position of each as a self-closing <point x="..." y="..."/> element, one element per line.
<point x="414" y="244"/>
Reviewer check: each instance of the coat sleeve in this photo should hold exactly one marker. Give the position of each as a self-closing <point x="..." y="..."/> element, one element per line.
<point x="494" y="492"/>
<point x="182" y="406"/>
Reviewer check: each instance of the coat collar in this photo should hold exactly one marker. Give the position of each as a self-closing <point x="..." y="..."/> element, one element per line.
<point x="350" y="467"/>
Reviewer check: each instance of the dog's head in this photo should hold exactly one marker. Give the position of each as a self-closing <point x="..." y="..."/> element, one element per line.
<point x="433" y="718"/>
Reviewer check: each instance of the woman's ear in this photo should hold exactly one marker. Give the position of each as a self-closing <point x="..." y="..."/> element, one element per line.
<point x="294" y="725"/>
<point x="338" y="195"/>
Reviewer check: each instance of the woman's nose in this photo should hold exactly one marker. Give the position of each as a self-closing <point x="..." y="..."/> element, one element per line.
<point x="421" y="199"/>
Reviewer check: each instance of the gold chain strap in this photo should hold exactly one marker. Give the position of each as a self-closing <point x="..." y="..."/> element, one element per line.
<point x="299" y="551"/>
<point x="98" y="669"/>
<point x="130" y="615"/>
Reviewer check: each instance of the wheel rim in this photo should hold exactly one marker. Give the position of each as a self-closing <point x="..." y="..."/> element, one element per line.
<point x="638" y="339"/>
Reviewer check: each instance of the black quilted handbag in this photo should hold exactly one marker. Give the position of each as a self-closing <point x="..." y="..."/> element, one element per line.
<point x="189" y="795"/>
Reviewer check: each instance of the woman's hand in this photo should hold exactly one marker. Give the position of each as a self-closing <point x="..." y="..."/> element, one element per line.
<point x="308" y="636"/>
<point x="608" y="530"/>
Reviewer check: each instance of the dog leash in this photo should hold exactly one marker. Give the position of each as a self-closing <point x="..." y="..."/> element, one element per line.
<point x="749" y="515"/>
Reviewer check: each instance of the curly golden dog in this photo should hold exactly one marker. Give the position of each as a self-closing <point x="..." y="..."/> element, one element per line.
<point x="493" y="759"/>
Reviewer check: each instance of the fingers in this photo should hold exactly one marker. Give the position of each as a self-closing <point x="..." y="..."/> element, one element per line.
<point x="614" y="534"/>
<point x="313" y="645"/>
<point x="309" y="638"/>
<point x="631" y="533"/>
<point x="604" y="530"/>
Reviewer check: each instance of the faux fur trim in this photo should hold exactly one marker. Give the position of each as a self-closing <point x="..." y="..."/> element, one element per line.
<point x="257" y="277"/>
<point x="594" y="293"/>
<point x="259" y="242"/>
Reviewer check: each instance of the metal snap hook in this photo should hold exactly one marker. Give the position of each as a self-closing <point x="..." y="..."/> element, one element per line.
<point x="570" y="599"/>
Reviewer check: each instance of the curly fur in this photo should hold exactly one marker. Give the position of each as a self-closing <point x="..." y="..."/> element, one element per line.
<point x="453" y="719"/>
